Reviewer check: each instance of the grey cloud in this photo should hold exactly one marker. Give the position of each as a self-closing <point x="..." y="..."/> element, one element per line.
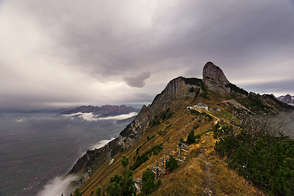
<point x="102" y="39"/>
<point x="184" y="30"/>
<point x="138" y="81"/>
<point x="280" y="88"/>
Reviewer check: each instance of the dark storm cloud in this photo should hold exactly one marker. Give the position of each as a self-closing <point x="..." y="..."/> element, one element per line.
<point x="185" y="31"/>
<point x="137" y="81"/>
<point x="114" y="42"/>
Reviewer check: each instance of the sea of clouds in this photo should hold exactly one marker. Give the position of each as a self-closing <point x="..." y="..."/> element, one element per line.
<point x="58" y="186"/>
<point x="92" y="117"/>
<point x="62" y="185"/>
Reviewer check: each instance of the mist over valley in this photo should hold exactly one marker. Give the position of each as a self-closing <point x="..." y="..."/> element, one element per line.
<point x="37" y="148"/>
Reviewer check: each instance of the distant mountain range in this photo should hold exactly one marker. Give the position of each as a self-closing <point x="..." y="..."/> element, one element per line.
<point x="105" y="110"/>
<point x="287" y="99"/>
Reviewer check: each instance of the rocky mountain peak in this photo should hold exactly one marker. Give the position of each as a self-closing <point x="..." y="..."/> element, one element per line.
<point x="287" y="99"/>
<point x="214" y="76"/>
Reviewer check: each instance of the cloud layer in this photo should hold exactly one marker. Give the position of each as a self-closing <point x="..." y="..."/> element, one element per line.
<point x="91" y="117"/>
<point x="58" y="186"/>
<point x="96" y="52"/>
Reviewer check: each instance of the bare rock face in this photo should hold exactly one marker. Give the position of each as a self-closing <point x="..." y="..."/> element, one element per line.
<point x="214" y="78"/>
<point x="287" y="99"/>
<point x="177" y="88"/>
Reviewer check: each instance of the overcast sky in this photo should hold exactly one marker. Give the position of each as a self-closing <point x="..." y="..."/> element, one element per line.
<point x="65" y="52"/>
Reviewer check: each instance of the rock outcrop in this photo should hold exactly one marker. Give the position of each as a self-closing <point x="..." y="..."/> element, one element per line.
<point x="287" y="99"/>
<point x="177" y="88"/>
<point x="214" y="78"/>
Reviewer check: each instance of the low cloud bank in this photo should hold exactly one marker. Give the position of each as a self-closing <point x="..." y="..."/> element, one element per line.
<point x="92" y="117"/>
<point x="58" y="186"/>
<point x="101" y="144"/>
<point x="62" y="185"/>
<point x="20" y="120"/>
<point x="119" y="117"/>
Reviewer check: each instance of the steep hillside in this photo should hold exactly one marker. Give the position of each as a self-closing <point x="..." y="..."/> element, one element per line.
<point x="158" y="129"/>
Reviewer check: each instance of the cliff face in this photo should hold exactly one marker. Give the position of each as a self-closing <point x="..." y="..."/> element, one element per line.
<point x="214" y="78"/>
<point x="177" y="88"/>
<point x="99" y="155"/>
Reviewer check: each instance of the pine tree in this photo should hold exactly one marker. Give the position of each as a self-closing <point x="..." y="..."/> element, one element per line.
<point x="148" y="181"/>
<point x="77" y="192"/>
<point x="98" y="191"/>
<point x="191" y="138"/>
<point x="171" y="163"/>
<point x="121" y="185"/>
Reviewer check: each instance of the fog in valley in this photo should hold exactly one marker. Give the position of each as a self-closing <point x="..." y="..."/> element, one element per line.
<point x="37" y="150"/>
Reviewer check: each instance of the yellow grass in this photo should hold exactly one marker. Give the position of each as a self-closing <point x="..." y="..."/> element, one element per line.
<point x="187" y="180"/>
<point x="202" y="164"/>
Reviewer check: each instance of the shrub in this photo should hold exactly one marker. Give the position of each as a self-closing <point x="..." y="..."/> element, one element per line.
<point x="144" y="157"/>
<point x="148" y="181"/>
<point x="236" y="89"/>
<point x="190" y="138"/>
<point x="171" y="163"/>
<point x="121" y="185"/>
<point x="98" y="191"/>
<point x="195" y="112"/>
<point x="260" y="152"/>
<point x="77" y="192"/>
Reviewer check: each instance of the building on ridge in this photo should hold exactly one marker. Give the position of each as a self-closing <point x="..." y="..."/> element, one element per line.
<point x="201" y="105"/>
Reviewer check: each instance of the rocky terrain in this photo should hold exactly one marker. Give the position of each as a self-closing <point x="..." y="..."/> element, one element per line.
<point x="168" y="109"/>
<point x="286" y="99"/>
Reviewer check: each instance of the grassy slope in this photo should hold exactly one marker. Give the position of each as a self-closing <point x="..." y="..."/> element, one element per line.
<point x="203" y="171"/>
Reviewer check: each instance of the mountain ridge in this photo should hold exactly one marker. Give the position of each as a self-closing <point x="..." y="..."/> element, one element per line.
<point x="214" y="90"/>
<point x="286" y="99"/>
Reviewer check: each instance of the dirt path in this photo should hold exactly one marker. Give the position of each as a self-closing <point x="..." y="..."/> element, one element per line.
<point x="208" y="176"/>
<point x="208" y="179"/>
